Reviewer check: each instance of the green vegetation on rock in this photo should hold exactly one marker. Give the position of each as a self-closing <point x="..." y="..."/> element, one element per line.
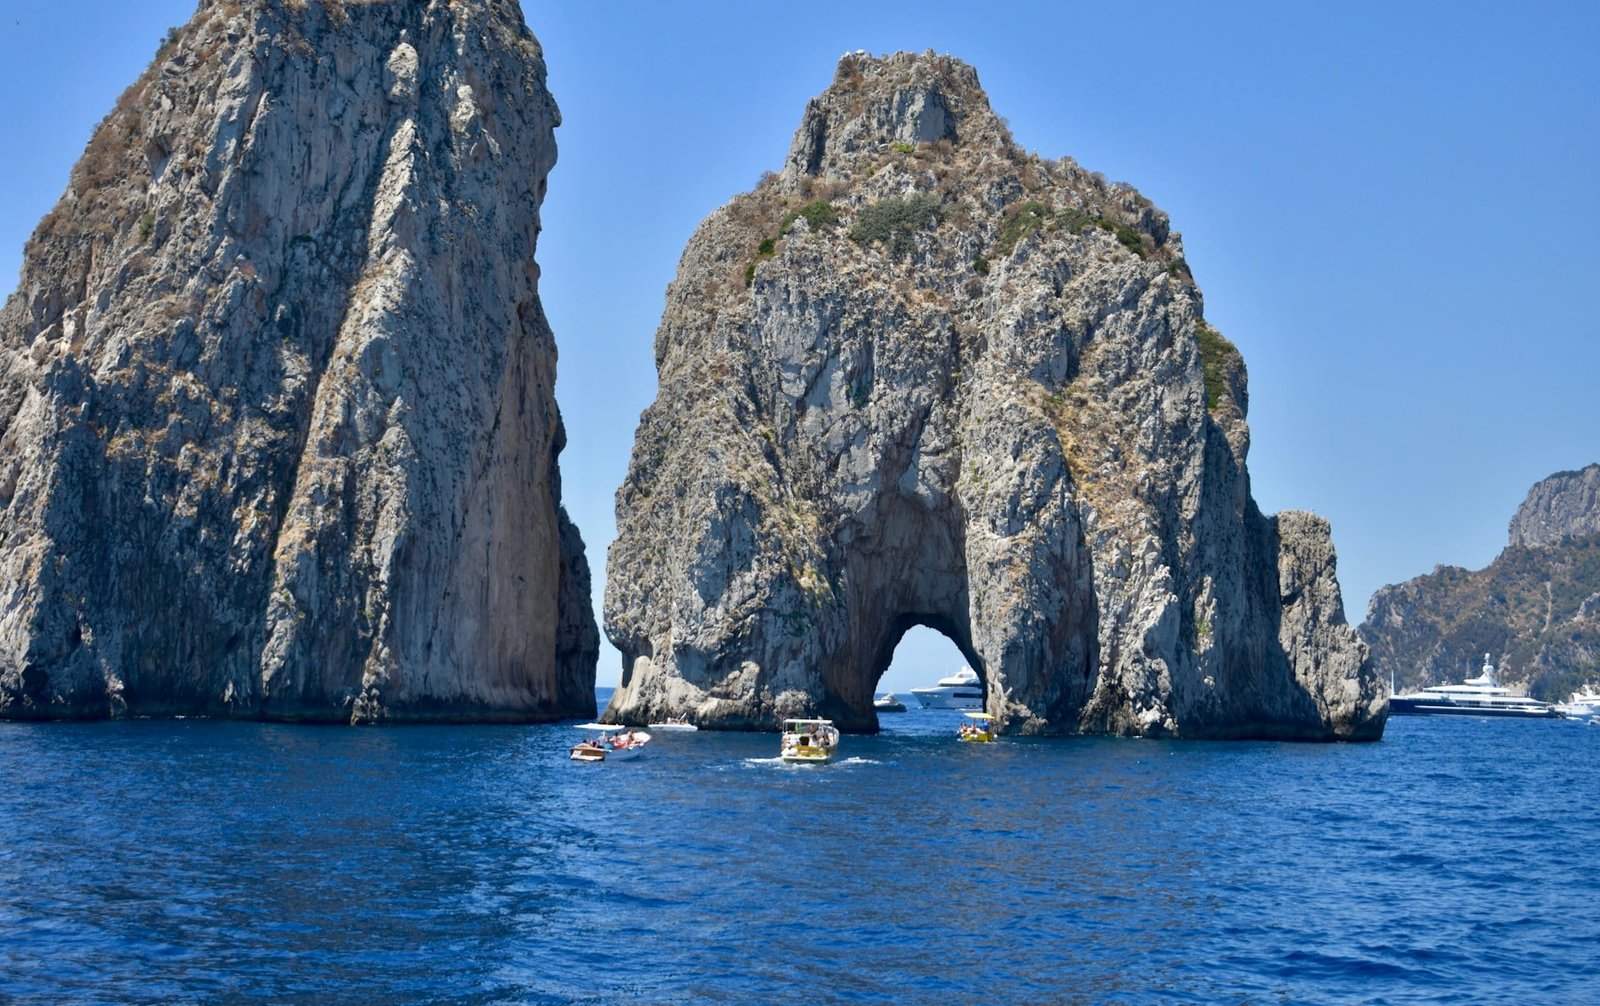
<point x="1019" y="220"/>
<point x="820" y="215"/>
<point x="1218" y="357"/>
<point x="1031" y="216"/>
<point x="894" y="221"/>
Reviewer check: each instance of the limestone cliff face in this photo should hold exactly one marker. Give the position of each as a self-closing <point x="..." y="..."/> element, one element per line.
<point x="1535" y="609"/>
<point x="278" y="433"/>
<point x="920" y="377"/>
<point x="1565" y="505"/>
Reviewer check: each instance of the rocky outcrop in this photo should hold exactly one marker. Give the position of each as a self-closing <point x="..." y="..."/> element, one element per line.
<point x="921" y="377"/>
<point x="1565" y="505"/>
<point x="1536" y="608"/>
<point x="278" y="434"/>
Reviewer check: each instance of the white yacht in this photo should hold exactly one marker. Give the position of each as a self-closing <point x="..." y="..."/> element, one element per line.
<point x="961" y="690"/>
<point x="1479" y="696"/>
<point x="887" y="703"/>
<point x="1581" y="705"/>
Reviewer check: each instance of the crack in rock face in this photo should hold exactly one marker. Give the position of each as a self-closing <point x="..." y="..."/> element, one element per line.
<point x="920" y="377"/>
<point x="278" y="434"/>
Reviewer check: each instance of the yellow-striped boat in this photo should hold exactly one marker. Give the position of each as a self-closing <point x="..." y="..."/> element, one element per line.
<point x="809" y="742"/>
<point x="979" y="731"/>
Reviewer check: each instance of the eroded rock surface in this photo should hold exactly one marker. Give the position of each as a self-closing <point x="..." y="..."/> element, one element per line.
<point x="278" y="434"/>
<point x="921" y="377"/>
<point x="1565" y="505"/>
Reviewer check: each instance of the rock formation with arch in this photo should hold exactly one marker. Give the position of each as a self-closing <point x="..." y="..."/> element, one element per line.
<point x="920" y="376"/>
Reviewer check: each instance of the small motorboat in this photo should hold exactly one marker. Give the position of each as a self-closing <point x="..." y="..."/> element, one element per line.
<point x="809" y="742"/>
<point x="887" y="703"/>
<point x="979" y="729"/>
<point x="609" y="743"/>
<point x="674" y="724"/>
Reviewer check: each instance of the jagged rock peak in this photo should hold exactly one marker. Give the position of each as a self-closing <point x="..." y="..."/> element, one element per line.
<point x="904" y="98"/>
<point x="920" y="376"/>
<point x="278" y="435"/>
<point x="1565" y="505"/>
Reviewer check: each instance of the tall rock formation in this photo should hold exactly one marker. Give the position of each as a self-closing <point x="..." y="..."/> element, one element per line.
<point x="278" y="433"/>
<point x="1536" y="608"/>
<point x="922" y="377"/>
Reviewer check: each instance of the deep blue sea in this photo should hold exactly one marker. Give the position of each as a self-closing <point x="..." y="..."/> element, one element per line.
<point x="202" y="862"/>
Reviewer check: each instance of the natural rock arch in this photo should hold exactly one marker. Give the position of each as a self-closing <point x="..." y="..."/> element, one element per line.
<point x="895" y="632"/>
<point x="944" y="381"/>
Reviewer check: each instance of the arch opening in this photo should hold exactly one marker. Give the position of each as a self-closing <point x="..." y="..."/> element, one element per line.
<point x="916" y="651"/>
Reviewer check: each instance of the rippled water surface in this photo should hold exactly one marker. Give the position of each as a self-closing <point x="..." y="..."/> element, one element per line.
<point x="193" y="861"/>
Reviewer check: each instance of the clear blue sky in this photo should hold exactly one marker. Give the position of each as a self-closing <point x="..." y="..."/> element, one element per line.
<point x="1392" y="209"/>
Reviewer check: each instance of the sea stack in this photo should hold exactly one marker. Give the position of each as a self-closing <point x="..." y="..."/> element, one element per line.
<point x="278" y="434"/>
<point x="920" y="376"/>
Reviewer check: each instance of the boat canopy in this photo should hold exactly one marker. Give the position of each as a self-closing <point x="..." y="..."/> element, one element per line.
<point x="977" y="716"/>
<point x="602" y="727"/>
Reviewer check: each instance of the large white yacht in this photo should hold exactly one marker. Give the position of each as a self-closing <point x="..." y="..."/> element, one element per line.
<point x="1581" y="705"/>
<point x="961" y="690"/>
<point x="1479" y="696"/>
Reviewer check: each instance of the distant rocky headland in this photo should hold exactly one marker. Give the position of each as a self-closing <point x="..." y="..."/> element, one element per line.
<point x="278" y="435"/>
<point x="1536" y="607"/>
<point x="919" y="376"/>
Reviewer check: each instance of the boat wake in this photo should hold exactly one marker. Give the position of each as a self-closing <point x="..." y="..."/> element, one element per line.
<point x="780" y="763"/>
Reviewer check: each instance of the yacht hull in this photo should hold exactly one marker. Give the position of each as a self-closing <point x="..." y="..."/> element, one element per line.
<point x="946" y="698"/>
<point x="1414" y="707"/>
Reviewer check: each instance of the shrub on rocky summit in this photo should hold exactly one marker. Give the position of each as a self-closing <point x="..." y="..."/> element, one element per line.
<point x="819" y="215"/>
<point x="894" y="221"/>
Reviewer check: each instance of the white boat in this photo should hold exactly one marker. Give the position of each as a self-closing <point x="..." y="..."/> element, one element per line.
<point x="887" y="703"/>
<point x="609" y="743"/>
<point x="1581" y="705"/>
<point x="961" y="690"/>
<point x="675" y="724"/>
<point x="1479" y="696"/>
<point x="809" y="742"/>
